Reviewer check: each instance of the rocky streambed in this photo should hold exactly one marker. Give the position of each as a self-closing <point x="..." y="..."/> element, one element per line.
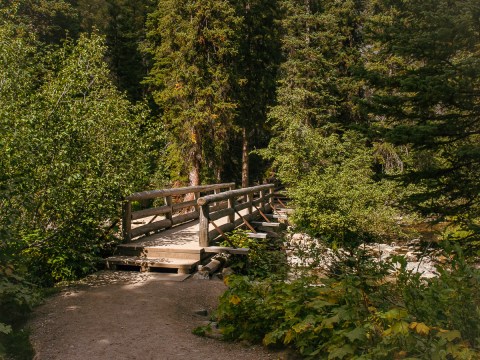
<point x="422" y="258"/>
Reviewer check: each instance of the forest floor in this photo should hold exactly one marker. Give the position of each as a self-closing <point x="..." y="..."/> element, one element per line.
<point x="131" y="315"/>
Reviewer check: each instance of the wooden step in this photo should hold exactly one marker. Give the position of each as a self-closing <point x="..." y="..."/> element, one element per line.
<point x="274" y="216"/>
<point x="287" y="211"/>
<point x="266" y="224"/>
<point x="230" y="250"/>
<point x="140" y="250"/>
<point x="183" y="266"/>
<point x="257" y="235"/>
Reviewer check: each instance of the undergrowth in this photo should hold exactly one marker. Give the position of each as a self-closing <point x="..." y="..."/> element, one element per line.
<point x="363" y="310"/>
<point x="266" y="257"/>
<point x="17" y="298"/>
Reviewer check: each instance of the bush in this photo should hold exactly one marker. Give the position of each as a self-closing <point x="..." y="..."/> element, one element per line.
<point x="17" y="298"/>
<point x="69" y="152"/>
<point x="265" y="258"/>
<point x="364" y="312"/>
<point x="332" y="183"/>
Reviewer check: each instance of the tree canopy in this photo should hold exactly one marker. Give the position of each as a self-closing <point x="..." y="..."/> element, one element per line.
<point x="366" y="111"/>
<point x="423" y="70"/>
<point x="68" y="151"/>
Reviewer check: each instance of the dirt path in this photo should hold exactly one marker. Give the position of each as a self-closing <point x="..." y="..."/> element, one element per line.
<point x="117" y="315"/>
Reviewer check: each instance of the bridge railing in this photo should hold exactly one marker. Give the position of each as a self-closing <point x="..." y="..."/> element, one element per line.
<point x="165" y="210"/>
<point x="221" y="210"/>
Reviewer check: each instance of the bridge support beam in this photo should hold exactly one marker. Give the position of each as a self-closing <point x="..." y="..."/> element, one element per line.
<point x="203" y="239"/>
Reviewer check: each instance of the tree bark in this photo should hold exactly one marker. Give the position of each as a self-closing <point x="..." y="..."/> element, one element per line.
<point x="194" y="176"/>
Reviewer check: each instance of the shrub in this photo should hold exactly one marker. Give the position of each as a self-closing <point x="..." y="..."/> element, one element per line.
<point x="264" y="259"/>
<point x="69" y="152"/>
<point x="364" y="312"/>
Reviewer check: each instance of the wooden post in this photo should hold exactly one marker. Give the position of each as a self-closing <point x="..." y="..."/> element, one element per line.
<point x="216" y="191"/>
<point x="231" y="205"/>
<point x="249" y="200"/>
<point x="203" y="239"/>
<point x="168" y="202"/>
<point x="272" y="191"/>
<point x="197" y="196"/>
<point x="262" y="200"/>
<point x="127" y="221"/>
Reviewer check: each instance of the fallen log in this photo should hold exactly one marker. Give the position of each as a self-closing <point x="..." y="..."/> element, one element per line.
<point x="214" y="265"/>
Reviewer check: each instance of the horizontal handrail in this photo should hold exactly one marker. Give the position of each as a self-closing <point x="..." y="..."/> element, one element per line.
<point x="232" y="201"/>
<point x="232" y="193"/>
<point x="169" y="210"/>
<point x="152" y="194"/>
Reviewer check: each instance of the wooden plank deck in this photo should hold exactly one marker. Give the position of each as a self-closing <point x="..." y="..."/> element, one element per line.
<point x="152" y="242"/>
<point x="184" y="236"/>
<point x="179" y="242"/>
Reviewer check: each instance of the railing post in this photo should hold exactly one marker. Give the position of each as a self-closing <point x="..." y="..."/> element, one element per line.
<point x="216" y="191"/>
<point x="231" y="205"/>
<point x="249" y="200"/>
<point x="262" y="200"/>
<point x="196" y="196"/>
<point x="127" y="221"/>
<point x="168" y="202"/>
<point x="203" y="240"/>
<point x="268" y="204"/>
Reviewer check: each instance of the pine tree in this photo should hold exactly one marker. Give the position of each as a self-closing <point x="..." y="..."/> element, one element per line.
<point x="193" y="44"/>
<point x="257" y="64"/>
<point x="327" y="166"/>
<point x="125" y="34"/>
<point x="50" y="20"/>
<point x="424" y="72"/>
<point x="316" y="88"/>
<point x="123" y="24"/>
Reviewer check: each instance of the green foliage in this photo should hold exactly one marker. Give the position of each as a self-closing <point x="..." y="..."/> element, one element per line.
<point x="256" y="68"/>
<point x="423" y="73"/>
<point x="17" y="298"/>
<point x="16" y="346"/>
<point x="361" y="313"/>
<point x="50" y="20"/>
<point x="333" y="188"/>
<point x="192" y="78"/>
<point x="449" y="301"/>
<point x="316" y="86"/>
<point x="405" y="74"/>
<point x="257" y="61"/>
<point x="69" y="153"/>
<point x="337" y="197"/>
<point x="265" y="258"/>
<point x="122" y="23"/>
<point x="327" y="168"/>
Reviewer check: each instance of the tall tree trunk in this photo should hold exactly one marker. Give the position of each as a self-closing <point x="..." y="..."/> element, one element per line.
<point x="218" y="175"/>
<point x="194" y="175"/>
<point x="245" y="165"/>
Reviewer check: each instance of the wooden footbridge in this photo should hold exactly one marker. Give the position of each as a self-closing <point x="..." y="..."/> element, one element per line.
<point x="177" y="229"/>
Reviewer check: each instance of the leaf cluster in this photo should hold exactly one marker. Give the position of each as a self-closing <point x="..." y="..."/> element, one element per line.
<point x="265" y="257"/>
<point x="69" y="153"/>
<point x="363" y="313"/>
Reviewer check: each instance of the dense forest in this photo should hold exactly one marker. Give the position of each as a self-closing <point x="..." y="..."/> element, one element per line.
<point x="368" y="112"/>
